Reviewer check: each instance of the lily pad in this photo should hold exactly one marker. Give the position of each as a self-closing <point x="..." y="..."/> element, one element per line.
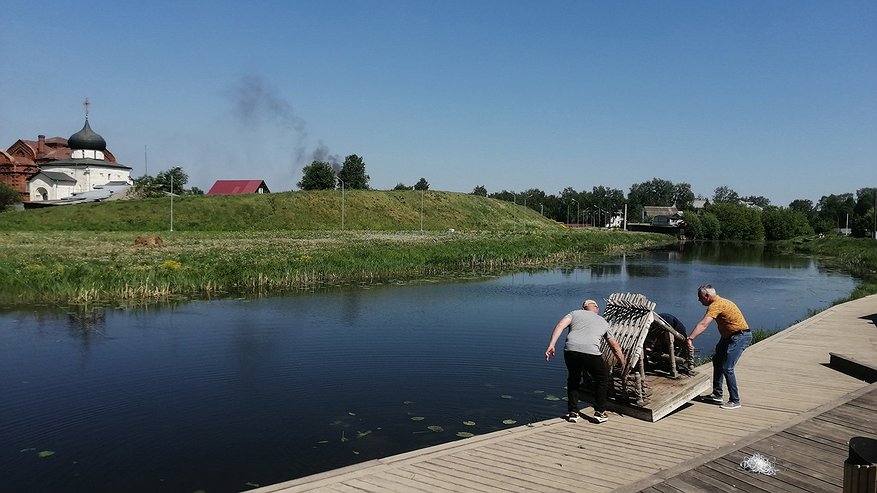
<point x="469" y="423"/>
<point x="552" y="398"/>
<point x="417" y="418"/>
<point x="322" y="442"/>
<point x="436" y="428"/>
<point x="360" y="434"/>
<point x="506" y="396"/>
<point x="508" y="421"/>
<point x="351" y="413"/>
<point x="46" y="453"/>
<point x="464" y="434"/>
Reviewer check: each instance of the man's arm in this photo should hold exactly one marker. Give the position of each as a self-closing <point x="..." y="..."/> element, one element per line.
<point x="558" y="329"/>
<point x="701" y="326"/>
<point x="616" y="348"/>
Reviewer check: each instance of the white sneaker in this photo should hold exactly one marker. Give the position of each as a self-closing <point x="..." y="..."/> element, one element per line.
<point x="572" y="417"/>
<point x="731" y="405"/>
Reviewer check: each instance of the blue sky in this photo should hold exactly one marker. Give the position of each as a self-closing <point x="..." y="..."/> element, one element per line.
<point x="771" y="98"/>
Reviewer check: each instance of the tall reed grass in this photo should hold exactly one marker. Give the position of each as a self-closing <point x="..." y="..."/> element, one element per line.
<point x="92" y="266"/>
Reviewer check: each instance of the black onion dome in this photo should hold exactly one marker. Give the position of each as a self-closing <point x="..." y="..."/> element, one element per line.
<point x="87" y="139"/>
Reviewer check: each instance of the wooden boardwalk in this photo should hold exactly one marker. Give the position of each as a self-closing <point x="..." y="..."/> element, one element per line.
<point x="796" y="409"/>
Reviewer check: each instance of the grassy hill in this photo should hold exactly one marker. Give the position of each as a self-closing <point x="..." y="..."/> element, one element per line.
<point x="317" y="210"/>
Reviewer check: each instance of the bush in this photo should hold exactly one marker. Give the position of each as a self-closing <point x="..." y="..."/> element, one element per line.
<point x="8" y="196"/>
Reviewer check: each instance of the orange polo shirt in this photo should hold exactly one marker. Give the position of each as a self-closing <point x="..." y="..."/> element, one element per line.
<point x="728" y="317"/>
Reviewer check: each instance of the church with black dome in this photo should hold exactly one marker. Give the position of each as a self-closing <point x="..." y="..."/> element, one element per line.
<point x="57" y="171"/>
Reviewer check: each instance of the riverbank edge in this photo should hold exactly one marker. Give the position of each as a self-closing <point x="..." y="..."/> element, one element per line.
<point x="92" y="267"/>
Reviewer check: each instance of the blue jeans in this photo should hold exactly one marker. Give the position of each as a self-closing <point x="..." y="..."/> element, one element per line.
<point x="728" y="351"/>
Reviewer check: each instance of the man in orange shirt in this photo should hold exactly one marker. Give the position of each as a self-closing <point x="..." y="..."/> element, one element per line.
<point x="735" y="337"/>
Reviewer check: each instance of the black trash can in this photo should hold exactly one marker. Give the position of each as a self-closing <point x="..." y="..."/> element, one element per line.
<point x="860" y="471"/>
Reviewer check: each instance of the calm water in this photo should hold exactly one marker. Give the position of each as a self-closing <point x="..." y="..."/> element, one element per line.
<point x="224" y="395"/>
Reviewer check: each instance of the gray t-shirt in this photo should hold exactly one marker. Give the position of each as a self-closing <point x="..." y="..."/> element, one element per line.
<point x="586" y="331"/>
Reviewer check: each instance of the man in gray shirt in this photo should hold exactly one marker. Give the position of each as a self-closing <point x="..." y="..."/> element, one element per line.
<point x="582" y="353"/>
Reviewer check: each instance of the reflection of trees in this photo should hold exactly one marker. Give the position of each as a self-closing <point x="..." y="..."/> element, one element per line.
<point x="85" y="320"/>
<point x="723" y="253"/>
<point x="605" y="270"/>
<point x="648" y="270"/>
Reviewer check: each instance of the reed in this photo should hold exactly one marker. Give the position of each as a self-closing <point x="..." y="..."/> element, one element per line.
<point x="81" y="267"/>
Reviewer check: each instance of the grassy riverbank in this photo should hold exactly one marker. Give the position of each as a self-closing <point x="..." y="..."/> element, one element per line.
<point x="77" y="266"/>
<point x="360" y="210"/>
<point x="857" y="256"/>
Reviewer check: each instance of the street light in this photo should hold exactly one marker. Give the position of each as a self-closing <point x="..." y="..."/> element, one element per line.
<point x="172" y="201"/>
<point x="577" y="211"/>
<point x="342" y="200"/>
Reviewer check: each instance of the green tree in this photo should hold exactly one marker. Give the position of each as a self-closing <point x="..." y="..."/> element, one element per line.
<point x="653" y="192"/>
<point x="480" y="191"/>
<point x="683" y="196"/>
<point x="8" y="196"/>
<point x="835" y="209"/>
<point x="692" y="225"/>
<point x="422" y="184"/>
<point x="401" y="186"/>
<point x="353" y="173"/>
<point x="318" y="175"/>
<point x="504" y="195"/>
<point x="784" y="224"/>
<point x="738" y="222"/>
<point x="724" y="194"/>
<point x="759" y="200"/>
<point x="805" y="207"/>
<point x="864" y="220"/>
<point x="712" y="227"/>
<point x="196" y="191"/>
<point x="174" y="179"/>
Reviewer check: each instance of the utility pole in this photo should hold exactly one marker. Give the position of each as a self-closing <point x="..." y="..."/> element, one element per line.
<point x="172" y="201"/>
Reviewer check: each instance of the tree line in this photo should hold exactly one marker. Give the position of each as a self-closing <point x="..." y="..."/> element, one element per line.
<point x="726" y="215"/>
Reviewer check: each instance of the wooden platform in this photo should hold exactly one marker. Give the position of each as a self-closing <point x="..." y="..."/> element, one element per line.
<point x="796" y="408"/>
<point x="806" y="454"/>
<point x="666" y="395"/>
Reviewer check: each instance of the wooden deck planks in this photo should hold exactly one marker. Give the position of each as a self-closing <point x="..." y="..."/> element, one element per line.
<point x="795" y="408"/>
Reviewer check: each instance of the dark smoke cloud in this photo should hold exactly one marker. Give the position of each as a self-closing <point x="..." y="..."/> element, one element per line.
<point x="255" y="103"/>
<point x="321" y="153"/>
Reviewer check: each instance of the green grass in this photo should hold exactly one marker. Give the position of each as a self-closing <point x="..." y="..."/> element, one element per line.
<point x="301" y="211"/>
<point x="88" y="266"/>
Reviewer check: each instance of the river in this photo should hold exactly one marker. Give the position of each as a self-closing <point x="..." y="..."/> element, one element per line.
<point x="223" y="395"/>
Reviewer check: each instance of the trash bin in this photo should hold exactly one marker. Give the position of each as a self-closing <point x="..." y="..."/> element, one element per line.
<point x="860" y="471"/>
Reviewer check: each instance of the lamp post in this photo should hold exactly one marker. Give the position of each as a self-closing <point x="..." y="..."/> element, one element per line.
<point x="342" y="200"/>
<point x="172" y="202"/>
<point x="577" y="211"/>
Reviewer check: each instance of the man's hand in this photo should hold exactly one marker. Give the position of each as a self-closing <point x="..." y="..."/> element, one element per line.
<point x="549" y="353"/>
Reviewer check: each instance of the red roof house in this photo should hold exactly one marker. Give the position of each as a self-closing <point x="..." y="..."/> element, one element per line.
<point x="237" y="187"/>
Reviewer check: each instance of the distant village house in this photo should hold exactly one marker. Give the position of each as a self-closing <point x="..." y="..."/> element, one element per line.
<point x="237" y="187"/>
